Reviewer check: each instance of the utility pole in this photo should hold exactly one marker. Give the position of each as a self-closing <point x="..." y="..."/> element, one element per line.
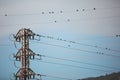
<point x="24" y="54"/>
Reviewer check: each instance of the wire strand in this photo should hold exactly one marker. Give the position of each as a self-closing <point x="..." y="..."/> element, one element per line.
<point x="58" y="77"/>
<point x="81" y="62"/>
<point x="60" y="11"/>
<point x="73" y="66"/>
<point x="87" y="51"/>
<point x="74" y="42"/>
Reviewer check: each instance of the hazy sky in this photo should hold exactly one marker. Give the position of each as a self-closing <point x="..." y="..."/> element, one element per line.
<point x="94" y="22"/>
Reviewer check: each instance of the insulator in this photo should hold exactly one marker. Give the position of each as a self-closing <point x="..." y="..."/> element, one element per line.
<point x="18" y="39"/>
<point x="40" y="57"/>
<point x="15" y="39"/>
<point x="28" y="77"/>
<point x="33" y="76"/>
<point x="33" y="37"/>
<point x="14" y="36"/>
<point x="29" y="37"/>
<point x="19" y="78"/>
<point x="30" y="57"/>
<point x="17" y="59"/>
<point x="33" y="57"/>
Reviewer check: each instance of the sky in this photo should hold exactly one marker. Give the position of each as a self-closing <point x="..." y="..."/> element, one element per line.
<point x="89" y="23"/>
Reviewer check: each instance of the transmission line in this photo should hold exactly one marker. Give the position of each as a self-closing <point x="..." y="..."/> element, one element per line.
<point x="61" y="21"/>
<point x="73" y="66"/>
<point x="40" y="58"/>
<point x="60" y="11"/>
<point x="52" y="76"/>
<point x="74" y="42"/>
<point x="80" y="62"/>
<point x="87" y="51"/>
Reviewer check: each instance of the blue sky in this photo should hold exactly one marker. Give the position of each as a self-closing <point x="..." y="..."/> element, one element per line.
<point x="94" y="27"/>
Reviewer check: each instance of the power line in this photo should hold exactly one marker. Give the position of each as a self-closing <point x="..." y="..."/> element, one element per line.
<point x="101" y="53"/>
<point x="40" y="58"/>
<point x="59" y="11"/>
<point x="58" y="77"/>
<point x="72" y="66"/>
<point x="49" y="12"/>
<point x="65" y="20"/>
<point x="81" y="62"/>
<point x="93" y="52"/>
<point x="47" y="75"/>
<point x="74" y="42"/>
<point x="53" y="76"/>
<point x="60" y="21"/>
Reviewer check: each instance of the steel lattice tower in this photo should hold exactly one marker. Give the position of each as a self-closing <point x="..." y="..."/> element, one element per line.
<point x="24" y="54"/>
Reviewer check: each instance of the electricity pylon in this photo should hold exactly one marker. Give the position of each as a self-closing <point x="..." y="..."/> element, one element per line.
<point x="24" y="54"/>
